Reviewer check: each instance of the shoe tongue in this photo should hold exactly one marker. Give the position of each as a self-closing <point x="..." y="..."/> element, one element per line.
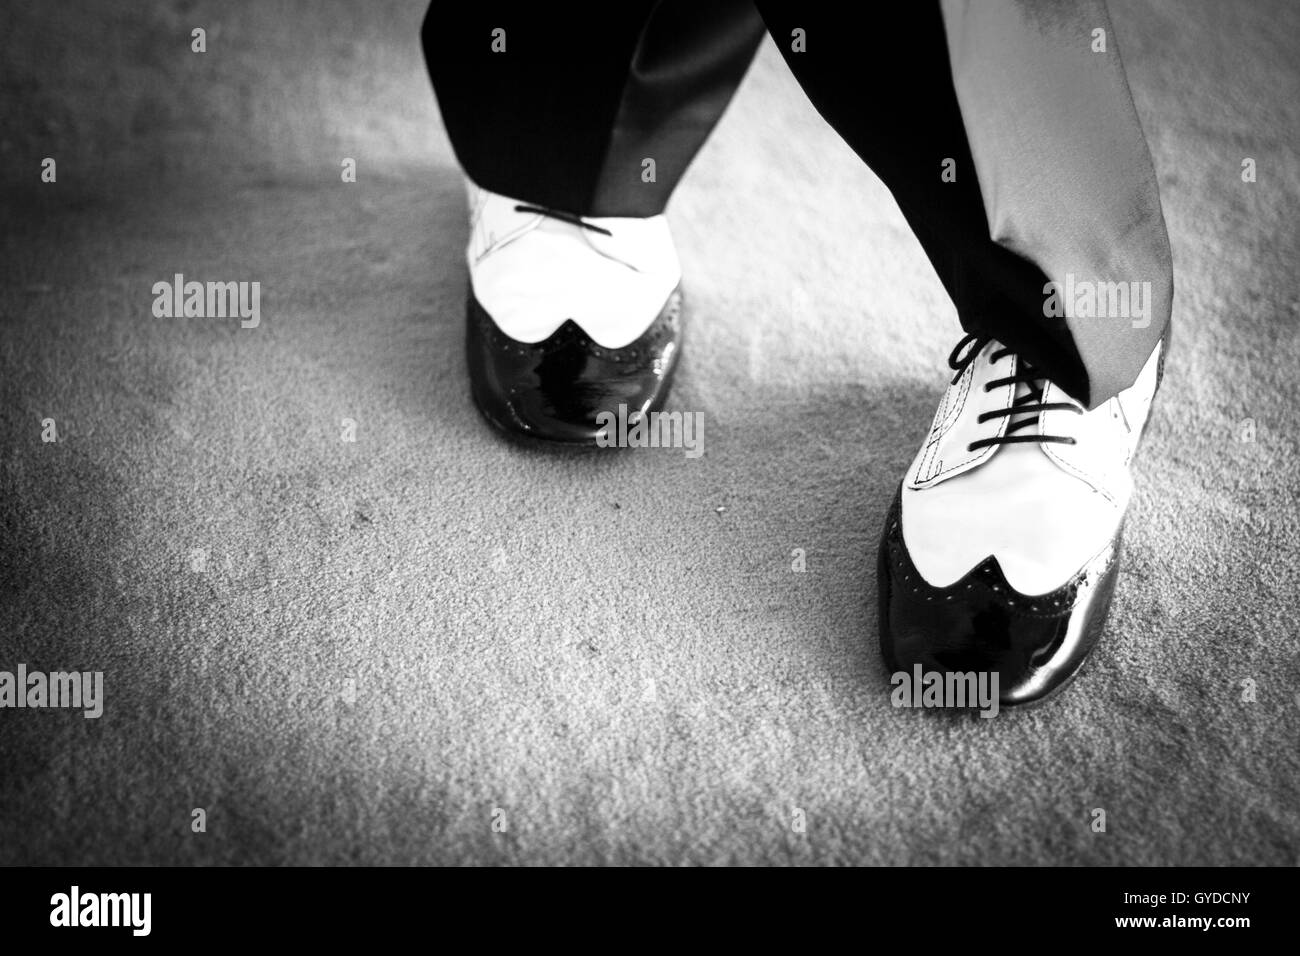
<point x="1023" y="390"/>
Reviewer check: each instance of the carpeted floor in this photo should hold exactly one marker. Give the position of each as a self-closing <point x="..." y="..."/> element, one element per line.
<point x="398" y="642"/>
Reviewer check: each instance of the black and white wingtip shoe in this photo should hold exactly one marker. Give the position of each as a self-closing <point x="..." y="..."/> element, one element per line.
<point x="568" y="317"/>
<point x="1000" y="551"/>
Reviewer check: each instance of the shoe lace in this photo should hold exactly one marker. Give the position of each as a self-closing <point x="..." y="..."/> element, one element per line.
<point x="560" y="214"/>
<point x="1029" y="405"/>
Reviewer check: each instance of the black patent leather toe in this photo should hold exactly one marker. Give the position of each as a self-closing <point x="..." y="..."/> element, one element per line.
<point x="1035" y="644"/>
<point x="554" y="389"/>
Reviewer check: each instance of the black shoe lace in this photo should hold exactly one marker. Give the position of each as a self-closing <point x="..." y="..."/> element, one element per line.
<point x="563" y="216"/>
<point x="1030" y="404"/>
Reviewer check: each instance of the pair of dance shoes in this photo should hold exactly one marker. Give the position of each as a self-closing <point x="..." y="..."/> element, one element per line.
<point x="1000" y="550"/>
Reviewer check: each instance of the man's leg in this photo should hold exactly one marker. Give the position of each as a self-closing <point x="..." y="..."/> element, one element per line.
<point x="574" y="124"/>
<point x="561" y="104"/>
<point x="1014" y="152"/>
<point x="1060" y="180"/>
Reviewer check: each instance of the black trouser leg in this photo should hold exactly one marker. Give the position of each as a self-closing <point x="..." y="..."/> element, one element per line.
<point x="1063" y="162"/>
<point x="575" y="98"/>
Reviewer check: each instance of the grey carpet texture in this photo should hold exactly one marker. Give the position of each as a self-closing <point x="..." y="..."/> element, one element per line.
<point x="432" y="645"/>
